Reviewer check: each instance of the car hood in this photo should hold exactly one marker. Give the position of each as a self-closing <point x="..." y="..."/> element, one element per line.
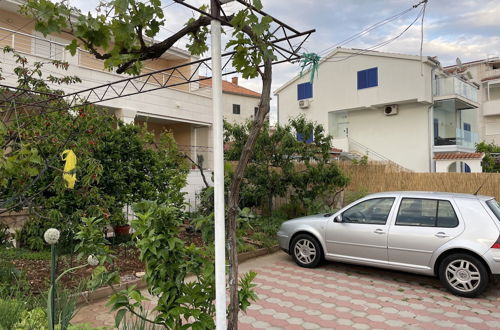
<point x="316" y="221"/>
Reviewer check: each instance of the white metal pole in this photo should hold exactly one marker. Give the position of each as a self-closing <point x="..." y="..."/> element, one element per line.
<point x="218" y="137"/>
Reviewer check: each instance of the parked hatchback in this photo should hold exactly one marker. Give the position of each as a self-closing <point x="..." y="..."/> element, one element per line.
<point x="453" y="236"/>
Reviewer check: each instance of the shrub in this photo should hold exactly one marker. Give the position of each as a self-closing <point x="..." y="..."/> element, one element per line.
<point x="33" y="319"/>
<point x="11" y="312"/>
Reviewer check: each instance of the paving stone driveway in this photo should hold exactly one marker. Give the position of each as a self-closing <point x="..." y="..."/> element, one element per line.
<point x="337" y="296"/>
<point x="340" y="296"/>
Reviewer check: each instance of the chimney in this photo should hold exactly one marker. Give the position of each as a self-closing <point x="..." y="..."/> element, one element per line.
<point x="234" y="80"/>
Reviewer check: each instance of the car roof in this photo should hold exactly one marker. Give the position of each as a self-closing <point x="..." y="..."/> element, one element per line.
<point x="430" y="194"/>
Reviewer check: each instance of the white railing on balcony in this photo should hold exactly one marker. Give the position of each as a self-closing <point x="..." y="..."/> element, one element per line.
<point x="462" y="138"/>
<point x="455" y="86"/>
<point x="55" y="49"/>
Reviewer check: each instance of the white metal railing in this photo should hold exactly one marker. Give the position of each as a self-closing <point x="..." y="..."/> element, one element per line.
<point x="52" y="49"/>
<point x="355" y="146"/>
<point x="455" y="86"/>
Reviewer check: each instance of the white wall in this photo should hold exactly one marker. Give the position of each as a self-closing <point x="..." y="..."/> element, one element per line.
<point x="247" y="106"/>
<point x="402" y="138"/>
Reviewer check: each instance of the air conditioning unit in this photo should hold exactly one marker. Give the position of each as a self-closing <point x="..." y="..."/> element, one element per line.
<point x="391" y="110"/>
<point x="304" y="104"/>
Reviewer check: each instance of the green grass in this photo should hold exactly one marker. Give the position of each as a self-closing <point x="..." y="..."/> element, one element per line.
<point x="23" y="254"/>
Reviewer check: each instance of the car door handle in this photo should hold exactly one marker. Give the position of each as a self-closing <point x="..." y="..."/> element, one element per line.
<point x="379" y="231"/>
<point x="441" y="235"/>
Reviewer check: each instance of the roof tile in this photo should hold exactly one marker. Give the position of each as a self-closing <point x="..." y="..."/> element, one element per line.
<point x="458" y="155"/>
<point x="229" y="87"/>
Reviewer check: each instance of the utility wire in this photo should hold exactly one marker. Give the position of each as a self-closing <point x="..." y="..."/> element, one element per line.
<point x="383" y="43"/>
<point x="372" y="27"/>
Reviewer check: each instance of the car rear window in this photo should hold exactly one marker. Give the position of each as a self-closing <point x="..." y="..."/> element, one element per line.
<point x="495" y="207"/>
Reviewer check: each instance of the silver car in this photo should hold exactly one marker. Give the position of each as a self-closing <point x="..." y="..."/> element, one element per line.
<point x="453" y="236"/>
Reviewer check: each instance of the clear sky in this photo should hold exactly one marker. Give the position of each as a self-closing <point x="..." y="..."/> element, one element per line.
<point x="468" y="29"/>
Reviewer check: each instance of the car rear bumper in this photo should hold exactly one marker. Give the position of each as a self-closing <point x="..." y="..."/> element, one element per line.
<point x="492" y="257"/>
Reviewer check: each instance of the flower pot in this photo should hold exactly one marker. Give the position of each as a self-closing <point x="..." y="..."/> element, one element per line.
<point x="121" y="230"/>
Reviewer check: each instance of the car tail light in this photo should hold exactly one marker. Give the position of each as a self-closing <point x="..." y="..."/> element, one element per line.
<point x="496" y="245"/>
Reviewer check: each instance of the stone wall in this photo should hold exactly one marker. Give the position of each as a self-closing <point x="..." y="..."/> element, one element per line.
<point x="15" y="220"/>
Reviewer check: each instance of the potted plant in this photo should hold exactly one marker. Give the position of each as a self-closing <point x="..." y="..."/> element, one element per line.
<point x="119" y="223"/>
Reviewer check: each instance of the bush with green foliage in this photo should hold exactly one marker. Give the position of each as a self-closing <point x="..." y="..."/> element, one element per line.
<point x="11" y="312"/>
<point x="168" y="261"/>
<point x="117" y="164"/>
<point x="490" y="163"/>
<point x="293" y="160"/>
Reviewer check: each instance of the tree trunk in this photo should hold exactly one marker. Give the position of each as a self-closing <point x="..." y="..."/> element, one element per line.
<point x="234" y="192"/>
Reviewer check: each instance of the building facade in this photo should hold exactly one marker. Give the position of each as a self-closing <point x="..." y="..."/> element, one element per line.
<point x="239" y="103"/>
<point x="486" y="74"/>
<point x="395" y="108"/>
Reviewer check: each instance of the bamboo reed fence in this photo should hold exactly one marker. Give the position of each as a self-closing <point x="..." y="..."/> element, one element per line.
<point x="376" y="178"/>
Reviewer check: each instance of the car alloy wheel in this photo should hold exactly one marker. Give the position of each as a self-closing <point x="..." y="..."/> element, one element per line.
<point x="464" y="275"/>
<point x="306" y="251"/>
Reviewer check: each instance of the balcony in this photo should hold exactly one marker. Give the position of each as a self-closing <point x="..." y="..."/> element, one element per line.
<point x="455" y="88"/>
<point x="491" y="108"/>
<point x="457" y="142"/>
<point x="54" y="48"/>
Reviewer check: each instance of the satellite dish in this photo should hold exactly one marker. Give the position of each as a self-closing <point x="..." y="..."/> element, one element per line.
<point x="459" y="63"/>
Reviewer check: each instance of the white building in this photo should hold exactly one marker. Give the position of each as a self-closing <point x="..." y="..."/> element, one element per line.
<point x="239" y="103"/>
<point x="486" y="74"/>
<point x="183" y="110"/>
<point x="390" y="107"/>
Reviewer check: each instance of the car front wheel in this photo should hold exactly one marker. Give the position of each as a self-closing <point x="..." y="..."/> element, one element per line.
<point x="463" y="275"/>
<point x="306" y="251"/>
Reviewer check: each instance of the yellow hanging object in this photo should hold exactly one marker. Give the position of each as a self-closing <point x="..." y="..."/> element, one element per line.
<point x="70" y="158"/>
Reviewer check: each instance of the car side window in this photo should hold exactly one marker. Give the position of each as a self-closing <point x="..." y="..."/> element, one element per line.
<point x="447" y="217"/>
<point x="373" y="211"/>
<point x="426" y="213"/>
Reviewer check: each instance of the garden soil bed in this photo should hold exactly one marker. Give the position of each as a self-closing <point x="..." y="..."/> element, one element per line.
<point x="127" y="264"/>
<point x="38" y="271"/>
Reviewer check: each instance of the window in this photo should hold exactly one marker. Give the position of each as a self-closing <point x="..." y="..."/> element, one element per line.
<point x="300" y="137"/>
<point x="304" y="91"/>
<point x="426" y="213"/>
<point x="495" y="207"/>
<point x="467" y="132"/>
<point x="368" y="78"/>
<point x="372" y="211"/>
<point x="236" y="109"/>
<point x="255" y="110"/>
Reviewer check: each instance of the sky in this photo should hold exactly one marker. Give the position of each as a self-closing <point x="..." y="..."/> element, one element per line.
<point x="467" y="29"/>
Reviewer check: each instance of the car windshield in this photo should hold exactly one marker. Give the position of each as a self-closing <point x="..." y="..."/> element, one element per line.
<point x="495" y="207"/>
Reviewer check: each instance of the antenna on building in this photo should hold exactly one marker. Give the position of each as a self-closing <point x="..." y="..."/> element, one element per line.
<point x="459" y="63"/>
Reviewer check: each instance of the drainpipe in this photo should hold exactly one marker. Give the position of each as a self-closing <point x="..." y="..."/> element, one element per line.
<point x="430" y="111"/>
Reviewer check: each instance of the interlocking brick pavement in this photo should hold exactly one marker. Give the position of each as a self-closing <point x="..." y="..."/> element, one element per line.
<point x="340" y="296"/>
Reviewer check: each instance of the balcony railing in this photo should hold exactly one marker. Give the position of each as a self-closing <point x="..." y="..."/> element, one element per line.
<point x="462" y="138"/>
<point x="56" y="50"/>
<point x="454" y="86"/>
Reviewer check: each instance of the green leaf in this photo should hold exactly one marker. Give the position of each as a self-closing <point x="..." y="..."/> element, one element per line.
<point x="72" y="47"/>
<point x="119" y="317"/>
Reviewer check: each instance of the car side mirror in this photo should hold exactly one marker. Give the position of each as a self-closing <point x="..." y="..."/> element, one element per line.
<point x="338" y="218"/>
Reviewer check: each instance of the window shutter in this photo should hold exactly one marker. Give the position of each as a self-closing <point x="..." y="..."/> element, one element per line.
<point x="304" y="91"/>
<point x="372" y="77"/>
<point x="361" y="79"/>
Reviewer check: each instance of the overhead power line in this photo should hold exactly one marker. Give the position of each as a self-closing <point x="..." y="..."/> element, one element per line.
<point x="373" y="27"/>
